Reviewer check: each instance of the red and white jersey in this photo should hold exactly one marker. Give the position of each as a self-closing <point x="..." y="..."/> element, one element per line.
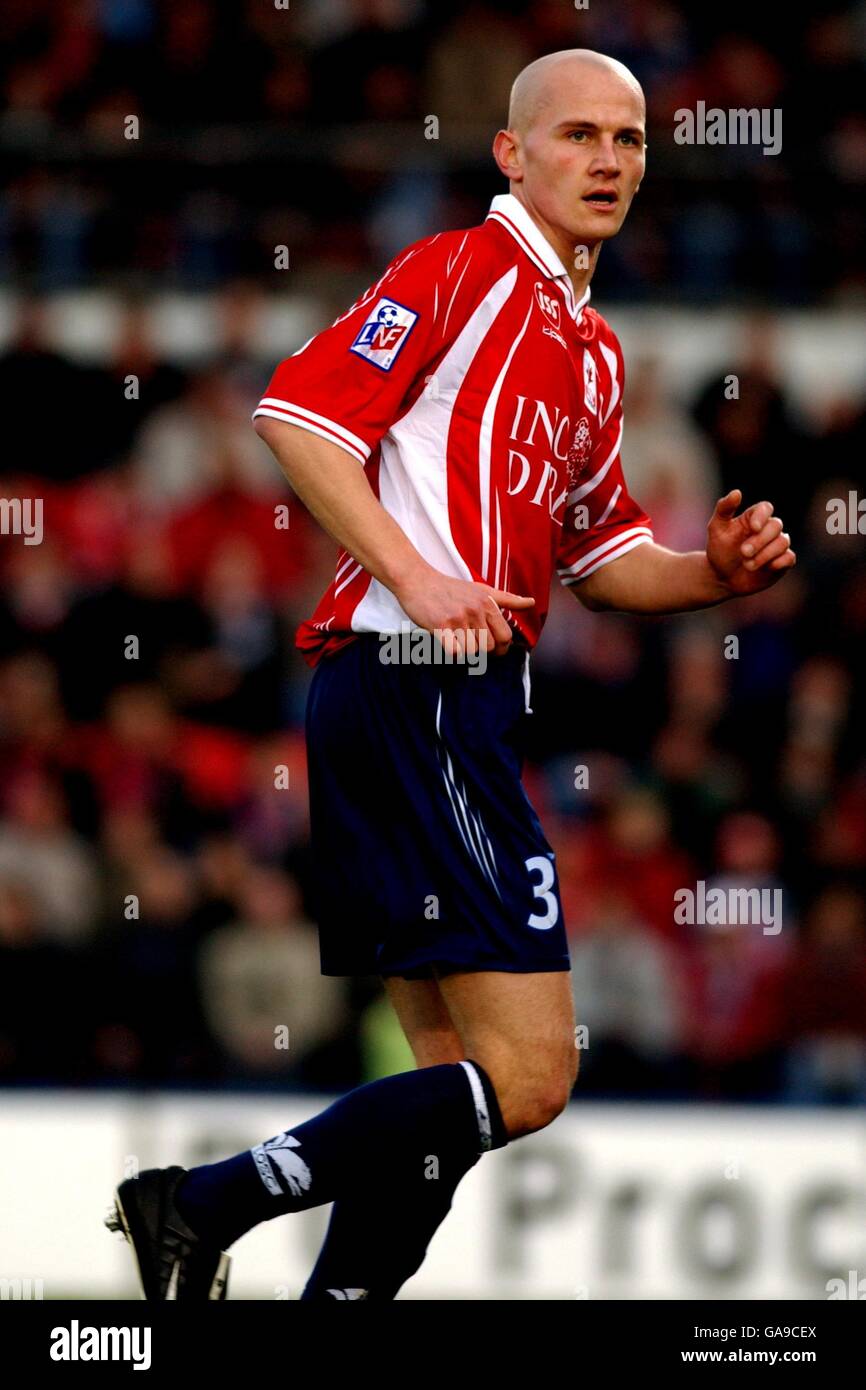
<point x="485" y="405"/>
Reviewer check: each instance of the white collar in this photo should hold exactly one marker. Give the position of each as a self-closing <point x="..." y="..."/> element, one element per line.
<point x="511" y="213"/>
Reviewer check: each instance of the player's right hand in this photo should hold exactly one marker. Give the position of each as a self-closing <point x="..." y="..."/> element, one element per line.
<point x="467" y="616"/>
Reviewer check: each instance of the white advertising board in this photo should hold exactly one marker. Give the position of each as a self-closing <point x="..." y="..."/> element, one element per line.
<point x="655" y="1202"/>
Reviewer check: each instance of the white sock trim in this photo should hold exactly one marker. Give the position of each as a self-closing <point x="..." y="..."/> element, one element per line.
<point x="482" y="1114"/>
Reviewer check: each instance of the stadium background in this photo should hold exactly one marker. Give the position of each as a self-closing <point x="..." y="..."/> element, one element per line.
<point x="153" y="258"/>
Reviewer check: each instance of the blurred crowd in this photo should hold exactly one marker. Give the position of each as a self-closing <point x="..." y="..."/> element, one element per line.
<point x="155" y="924"/>
<point x="262" y="123"/>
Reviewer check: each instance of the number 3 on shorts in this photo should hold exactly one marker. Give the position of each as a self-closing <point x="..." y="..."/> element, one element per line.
<point x="541" y="890"/>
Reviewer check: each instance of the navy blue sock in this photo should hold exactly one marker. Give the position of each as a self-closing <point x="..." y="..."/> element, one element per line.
<point x="371" y="1249"/>
<point x="380" y="1133"/>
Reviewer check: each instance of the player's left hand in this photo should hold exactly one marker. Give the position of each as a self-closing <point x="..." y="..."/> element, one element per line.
<point x="748" y="552"/>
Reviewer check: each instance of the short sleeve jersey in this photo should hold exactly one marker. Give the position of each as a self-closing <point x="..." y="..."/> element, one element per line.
<point x="484" y="402"/>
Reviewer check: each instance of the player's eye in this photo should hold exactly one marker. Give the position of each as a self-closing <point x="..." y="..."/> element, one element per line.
<point x="630" y="139"/>
<point x="579" y="133"/>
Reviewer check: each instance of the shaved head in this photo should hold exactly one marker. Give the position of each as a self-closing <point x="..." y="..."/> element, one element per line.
<point x="574" y="151"/>
<point x="539" y="85"/>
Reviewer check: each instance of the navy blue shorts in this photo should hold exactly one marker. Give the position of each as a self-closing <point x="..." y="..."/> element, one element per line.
<point x="427" y="854"/>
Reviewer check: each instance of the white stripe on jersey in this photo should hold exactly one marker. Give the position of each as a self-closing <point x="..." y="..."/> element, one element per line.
<point x="610" y="358"/>
<point x="413" y="480"/>
<point x="607" y="549"/>
<point x="348" y="579"/>
<point x="610" y="506"/>
<point x="485" y="441"/>
<point x="317" y="424"/>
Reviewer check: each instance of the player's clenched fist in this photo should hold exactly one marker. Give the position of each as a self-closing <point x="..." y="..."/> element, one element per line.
<point x="467" y="615"/>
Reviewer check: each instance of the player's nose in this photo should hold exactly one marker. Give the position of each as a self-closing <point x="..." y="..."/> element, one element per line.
<point x="606" y="160"/>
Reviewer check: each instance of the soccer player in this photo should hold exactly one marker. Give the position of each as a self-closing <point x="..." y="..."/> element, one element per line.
<point x="457" y="432"/>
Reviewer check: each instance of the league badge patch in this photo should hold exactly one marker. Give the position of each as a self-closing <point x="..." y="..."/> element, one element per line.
<point x="384" y="333"/>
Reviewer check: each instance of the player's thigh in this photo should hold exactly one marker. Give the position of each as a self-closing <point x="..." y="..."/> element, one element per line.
<point x="521" y="1029"/>
<point x="425" y="1020"/>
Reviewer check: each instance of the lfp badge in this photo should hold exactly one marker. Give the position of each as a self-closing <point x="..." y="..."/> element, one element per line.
<point x="384" y="334"/>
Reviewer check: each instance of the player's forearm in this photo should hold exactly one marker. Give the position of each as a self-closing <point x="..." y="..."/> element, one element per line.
<point x="651" y="579"/>
<point x="335" y="490"/>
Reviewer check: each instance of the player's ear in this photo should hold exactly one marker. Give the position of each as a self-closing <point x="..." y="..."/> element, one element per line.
<point x="507" y="154"/>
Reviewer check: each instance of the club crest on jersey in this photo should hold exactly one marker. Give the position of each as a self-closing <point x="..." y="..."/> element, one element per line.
<point x="383" y="335"/>
<point x="547" y="303"/>
<point x="579" y="452"/>
<point x="590" y="382"/>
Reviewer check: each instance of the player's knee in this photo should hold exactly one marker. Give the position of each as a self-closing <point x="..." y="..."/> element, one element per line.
<point x="535" y="1113"/>
<point x="537" y="1106"/>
